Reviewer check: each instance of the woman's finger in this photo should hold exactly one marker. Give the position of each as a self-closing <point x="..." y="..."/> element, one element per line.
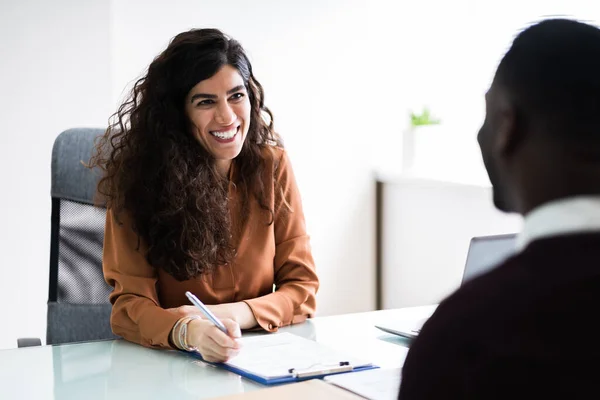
<point x="233" y="328"/>
<point x="218" y="354"/>
<point x="221" y="338"/>
<point x="226" y="352"/>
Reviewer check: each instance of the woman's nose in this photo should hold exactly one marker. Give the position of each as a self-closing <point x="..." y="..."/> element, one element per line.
<point x="225" y="115"/>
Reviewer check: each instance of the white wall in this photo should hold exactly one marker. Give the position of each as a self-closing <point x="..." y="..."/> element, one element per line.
<point x="339" y="77"/>
<point x="54" y="75"/>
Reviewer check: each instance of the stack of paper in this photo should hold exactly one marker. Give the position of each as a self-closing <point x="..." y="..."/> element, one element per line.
<point x="377" y="384"/>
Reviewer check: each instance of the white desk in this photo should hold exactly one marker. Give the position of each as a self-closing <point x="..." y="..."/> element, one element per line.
<point x="121" y="370"/>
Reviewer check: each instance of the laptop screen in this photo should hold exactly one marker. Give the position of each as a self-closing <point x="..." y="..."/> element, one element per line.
<point x="486" y="252"/>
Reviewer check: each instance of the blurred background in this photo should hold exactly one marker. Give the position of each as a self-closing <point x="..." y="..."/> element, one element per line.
<point x="341" y="77"/>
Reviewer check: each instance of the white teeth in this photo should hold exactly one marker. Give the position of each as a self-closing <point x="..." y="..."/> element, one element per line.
<point x="224" y="135"/>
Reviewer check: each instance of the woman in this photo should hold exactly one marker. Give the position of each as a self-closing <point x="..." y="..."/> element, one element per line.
<point x="201" y="197"/>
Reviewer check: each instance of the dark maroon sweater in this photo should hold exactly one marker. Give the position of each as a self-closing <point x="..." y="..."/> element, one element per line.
<point x="529" y="328"/>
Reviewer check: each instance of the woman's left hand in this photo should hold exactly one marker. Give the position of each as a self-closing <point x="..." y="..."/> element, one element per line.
<point x="239" y="312"/>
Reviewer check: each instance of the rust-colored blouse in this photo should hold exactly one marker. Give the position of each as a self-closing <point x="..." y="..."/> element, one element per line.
<point x="145" y="298"/>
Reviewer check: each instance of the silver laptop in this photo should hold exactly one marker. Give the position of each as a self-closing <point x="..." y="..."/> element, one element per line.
<point x="485" y="253"/>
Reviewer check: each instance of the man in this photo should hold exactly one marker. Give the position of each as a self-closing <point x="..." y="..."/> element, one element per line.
<point x="531" y="327"/>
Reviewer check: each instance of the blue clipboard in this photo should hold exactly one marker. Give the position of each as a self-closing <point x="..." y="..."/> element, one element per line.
<point x="295" y="376"/>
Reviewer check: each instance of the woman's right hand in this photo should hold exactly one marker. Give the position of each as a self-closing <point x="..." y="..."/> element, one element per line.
<point x="212" y="344"/>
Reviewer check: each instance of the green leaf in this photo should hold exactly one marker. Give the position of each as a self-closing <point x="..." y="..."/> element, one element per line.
<point x="424" y="118"/>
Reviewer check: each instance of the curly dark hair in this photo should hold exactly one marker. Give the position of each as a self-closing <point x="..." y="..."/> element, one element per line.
<point x="162" y="177"/>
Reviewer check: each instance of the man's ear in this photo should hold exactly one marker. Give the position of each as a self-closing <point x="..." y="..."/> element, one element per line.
<point x="510" y="130"/>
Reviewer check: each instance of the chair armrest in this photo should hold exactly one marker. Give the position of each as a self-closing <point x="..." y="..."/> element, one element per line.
<point x="28" y="342"/>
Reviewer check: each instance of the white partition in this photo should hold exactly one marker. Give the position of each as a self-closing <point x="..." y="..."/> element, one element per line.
<point x="426" y="229"/>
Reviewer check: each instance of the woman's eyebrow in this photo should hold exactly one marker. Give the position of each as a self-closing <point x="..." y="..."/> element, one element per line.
<point x="214" y="96"/>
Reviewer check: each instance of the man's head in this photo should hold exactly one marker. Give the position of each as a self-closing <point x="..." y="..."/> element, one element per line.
<point x="541" y="137"/>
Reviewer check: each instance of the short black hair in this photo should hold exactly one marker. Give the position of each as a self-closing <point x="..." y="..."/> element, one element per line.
<point x="552" y="74"/>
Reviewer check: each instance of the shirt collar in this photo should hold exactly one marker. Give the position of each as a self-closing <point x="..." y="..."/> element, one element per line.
<point x="560" y="217"/>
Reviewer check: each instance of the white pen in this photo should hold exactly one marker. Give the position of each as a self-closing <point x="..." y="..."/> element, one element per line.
<point x="196" y="301"/>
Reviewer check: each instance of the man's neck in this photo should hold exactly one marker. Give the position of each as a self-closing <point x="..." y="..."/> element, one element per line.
<point x="562" y="180"/>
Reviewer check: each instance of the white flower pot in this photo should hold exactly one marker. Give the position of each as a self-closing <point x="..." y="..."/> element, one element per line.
<point x="423" y="149"/>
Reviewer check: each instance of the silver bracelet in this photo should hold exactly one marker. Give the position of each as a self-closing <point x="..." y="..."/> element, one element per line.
<point x="175" y="334"/>
<point x="183" y="334"/>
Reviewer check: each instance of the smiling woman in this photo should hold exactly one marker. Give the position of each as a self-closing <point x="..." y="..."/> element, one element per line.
<point x="201" y="196"/>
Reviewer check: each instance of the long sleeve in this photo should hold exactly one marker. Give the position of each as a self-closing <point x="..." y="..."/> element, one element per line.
<point x="136" y="315"/>
<point x="295" y="277"/>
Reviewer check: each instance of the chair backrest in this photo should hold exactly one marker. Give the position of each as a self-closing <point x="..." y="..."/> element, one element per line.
<point x="78" y="306"/>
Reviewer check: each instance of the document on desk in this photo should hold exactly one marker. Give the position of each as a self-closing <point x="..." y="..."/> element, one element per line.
<point x="284" y="357"/>
<point x="377" y="384"/>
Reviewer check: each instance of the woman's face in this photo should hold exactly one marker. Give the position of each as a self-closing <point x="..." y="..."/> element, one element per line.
<point x="218" y="109"/>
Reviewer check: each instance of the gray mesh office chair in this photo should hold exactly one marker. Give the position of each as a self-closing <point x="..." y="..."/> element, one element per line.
<point x="78" y="306"/>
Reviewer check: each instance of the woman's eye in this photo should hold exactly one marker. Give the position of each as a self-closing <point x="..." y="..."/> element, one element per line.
<point x="237" y="96"/>
<point x="204" y="103"/>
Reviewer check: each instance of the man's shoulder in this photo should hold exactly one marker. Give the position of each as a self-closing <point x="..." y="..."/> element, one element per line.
<point x="460" y="332"/>
<point x="487" y="298"/>
<point x="502" y="326"/>
<point x="546" y="272"/>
